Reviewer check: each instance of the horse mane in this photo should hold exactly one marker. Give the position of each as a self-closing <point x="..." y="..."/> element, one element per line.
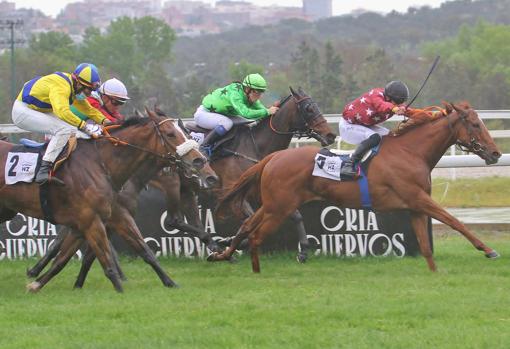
<point x="418" y="117"/>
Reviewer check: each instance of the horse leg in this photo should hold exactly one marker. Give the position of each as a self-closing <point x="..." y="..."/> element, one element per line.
<point x="195" y="226"/>
<point x="86" y="263"/>
<point x="115" y="257"/>
<point x="240" y="236"/>
<point x="49" y="255"/>
<point x="128" y="230"/>
<point x="297" y="219"/>
<point x="419" y="224"/>
<point x="98" y="241"/>
<point x="267" y="225"/>
<point x="424" y="204"/>
<point x="72" y="244"/>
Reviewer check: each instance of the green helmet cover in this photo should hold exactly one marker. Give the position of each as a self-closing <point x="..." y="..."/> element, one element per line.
<point x="255" y="81"/>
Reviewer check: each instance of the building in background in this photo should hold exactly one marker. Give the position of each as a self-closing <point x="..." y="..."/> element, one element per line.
<point x="316" y="9"/>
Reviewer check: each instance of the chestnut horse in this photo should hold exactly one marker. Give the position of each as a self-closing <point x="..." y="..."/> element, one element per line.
<point x="398" y="178"/>
<point x="93" y="174"/>
<point x="299" y="115"/>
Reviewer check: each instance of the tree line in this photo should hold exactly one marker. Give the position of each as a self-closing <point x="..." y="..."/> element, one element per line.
<point x="334" y="60"/>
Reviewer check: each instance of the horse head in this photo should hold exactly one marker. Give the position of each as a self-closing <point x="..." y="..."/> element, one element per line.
<point x="310" y="121"/>
<point x="173" y="140"/>
<point x="471" y="133"/>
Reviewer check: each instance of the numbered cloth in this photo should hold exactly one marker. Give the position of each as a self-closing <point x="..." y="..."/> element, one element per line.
<point x="329" y="165"/>
<point x="22" y="164"/>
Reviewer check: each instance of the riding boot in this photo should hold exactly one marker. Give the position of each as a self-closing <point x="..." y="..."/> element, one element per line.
<point x="358" y="154"/>
<point x="365" y="146"/>
<point x="44" y="174"/>
<point x="213" y="136"/>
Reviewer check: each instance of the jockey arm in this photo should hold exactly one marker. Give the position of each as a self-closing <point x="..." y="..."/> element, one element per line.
<point x="254" y="112"/>
<point x="93" y="113"/>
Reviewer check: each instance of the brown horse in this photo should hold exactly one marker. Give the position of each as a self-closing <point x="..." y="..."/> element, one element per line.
<point x="299" y="115"/>
<point x="93" y="174"/>
<point x="398" y="178"/>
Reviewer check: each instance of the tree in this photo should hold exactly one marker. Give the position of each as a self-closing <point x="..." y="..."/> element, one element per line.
<point x="239" y="70"/>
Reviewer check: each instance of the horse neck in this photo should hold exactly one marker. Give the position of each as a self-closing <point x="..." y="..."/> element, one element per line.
<point x="431" y="140"/>
<point x="268" y="140"/>
<point x="122" y="161"/>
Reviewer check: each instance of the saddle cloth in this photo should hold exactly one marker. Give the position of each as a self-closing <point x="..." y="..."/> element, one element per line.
<point x="24" y="159"/>
<point x="330" y="165"/>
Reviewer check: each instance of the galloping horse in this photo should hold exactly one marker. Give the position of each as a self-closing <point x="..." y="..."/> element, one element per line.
<point x="93" y="174"/>
<point x="398" y="178"/>
<point x="126" y="206"/>
<point x="299" y="115"/>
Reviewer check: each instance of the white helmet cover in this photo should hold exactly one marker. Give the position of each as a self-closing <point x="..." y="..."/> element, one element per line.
<point x="114" y="88"/>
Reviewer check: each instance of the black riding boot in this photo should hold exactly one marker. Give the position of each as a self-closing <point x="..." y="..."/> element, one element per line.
<point x="43" y="175"/>
<point x="210" y="139"/>
<point x="365" y="146"/>
<point x="358" y="153"/>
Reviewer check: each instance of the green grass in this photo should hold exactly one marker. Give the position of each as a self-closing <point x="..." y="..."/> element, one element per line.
<point x="481" y="192"/>
<point x="326" y="303"/>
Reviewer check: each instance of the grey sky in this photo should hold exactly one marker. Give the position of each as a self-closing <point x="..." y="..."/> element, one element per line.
<point x="53" y="7"/>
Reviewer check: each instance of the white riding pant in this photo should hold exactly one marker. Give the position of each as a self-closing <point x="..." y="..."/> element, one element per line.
<point x="206" y="119"/>
<point x="355" y="134"/>
<point x="46" y="123"/>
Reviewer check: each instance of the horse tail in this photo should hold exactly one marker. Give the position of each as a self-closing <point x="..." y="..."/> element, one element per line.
<point x="248" y="184"/>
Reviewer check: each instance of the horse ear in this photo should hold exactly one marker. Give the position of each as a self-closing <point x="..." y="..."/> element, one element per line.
<point x="150" y="113"/>
<point x="138" y="113"/>
<point x="448" y="106"/>
<point x="294" y="93"/>
<point x="182" y="127"/>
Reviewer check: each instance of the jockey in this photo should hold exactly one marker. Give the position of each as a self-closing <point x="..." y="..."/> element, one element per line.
<point x="108" y="99"/>
<point x="236" y="99"/>
<point x="43" y="106"/>
<point x="361" y="117"/>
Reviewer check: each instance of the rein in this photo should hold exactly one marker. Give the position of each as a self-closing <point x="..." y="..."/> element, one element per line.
<point x="117" y="141"/>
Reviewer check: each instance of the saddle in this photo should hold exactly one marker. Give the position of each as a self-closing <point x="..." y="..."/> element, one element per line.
<point x="199" y="133"/>
<point x="24" y="159"/>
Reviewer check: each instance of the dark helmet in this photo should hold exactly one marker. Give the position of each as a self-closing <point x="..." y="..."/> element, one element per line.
<point x="397" y="91"/>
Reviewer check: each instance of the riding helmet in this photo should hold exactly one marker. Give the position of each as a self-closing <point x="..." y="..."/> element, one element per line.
<point x="397" y="91"/>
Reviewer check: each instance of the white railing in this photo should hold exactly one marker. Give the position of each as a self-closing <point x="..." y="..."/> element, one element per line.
<point x="450" y="161"/>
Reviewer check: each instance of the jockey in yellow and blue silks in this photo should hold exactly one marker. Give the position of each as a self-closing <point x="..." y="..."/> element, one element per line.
<point x="236" y="99"/>
<point x="43" y="106"/>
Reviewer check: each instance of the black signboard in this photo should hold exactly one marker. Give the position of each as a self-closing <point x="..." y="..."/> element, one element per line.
<point x="331" y="230"/>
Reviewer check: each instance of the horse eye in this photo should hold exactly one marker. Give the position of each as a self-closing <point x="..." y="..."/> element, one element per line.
<point x="477" y="125"/>
<point x="170" y="134"/>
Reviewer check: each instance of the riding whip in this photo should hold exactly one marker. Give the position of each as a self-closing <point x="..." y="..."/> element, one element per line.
<point x="425" y="81"/>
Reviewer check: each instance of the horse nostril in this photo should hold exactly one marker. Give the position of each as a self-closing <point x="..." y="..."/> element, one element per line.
<point x="212" y="181"/>
<point x="496" y="154"/>
<point x="198" y="163"/>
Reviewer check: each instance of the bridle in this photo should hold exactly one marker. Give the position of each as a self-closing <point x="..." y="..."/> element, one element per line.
<point x="303" y="128"/>
<point x="473" y="146"/>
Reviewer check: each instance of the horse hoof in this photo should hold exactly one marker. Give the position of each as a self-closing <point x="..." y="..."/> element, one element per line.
<point x="492" y="255"/>
<point x="31" y="273"/>
<point x="302" y="257"/>
<point x="34" y="287"/>
<point x="212" y="257"/>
